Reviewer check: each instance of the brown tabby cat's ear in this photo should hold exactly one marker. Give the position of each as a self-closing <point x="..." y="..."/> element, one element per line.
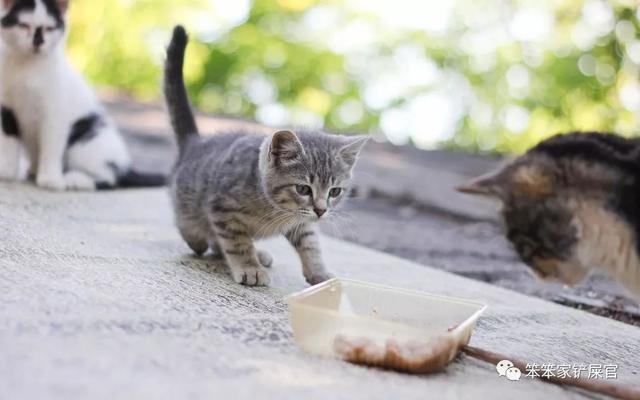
<point x="492" y="184"/>
<point x="533" y="180"/>
<point x="285" y="146"/>
<point x="523" y="178"/>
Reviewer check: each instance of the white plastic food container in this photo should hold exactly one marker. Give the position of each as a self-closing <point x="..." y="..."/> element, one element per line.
<point x="342" y="307"/>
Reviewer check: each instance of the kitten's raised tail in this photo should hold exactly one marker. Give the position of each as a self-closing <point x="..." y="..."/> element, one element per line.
<point x="175" y="93"/>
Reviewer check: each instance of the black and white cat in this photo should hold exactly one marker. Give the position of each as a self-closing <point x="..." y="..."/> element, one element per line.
<point x="49" y="109"/>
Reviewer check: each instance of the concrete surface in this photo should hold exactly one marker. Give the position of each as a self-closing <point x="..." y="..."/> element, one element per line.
<point x="99" y="299"/>
<point x="406" y="205"/>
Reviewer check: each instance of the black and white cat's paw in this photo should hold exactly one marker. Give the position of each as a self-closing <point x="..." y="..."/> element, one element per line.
<point x="52" y="182"/>
<point x="76" y="180"/>
<point x="7" y="173"/>
<point x="12" y="161"/>
<point x="318" y="277"/>
<point x="265" y="258"/>
<point x="72" y="180"/>
<point x="251" y="276"/>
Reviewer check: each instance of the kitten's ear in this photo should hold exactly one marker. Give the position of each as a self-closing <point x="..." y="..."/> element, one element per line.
<point x="7" y="3"/>
<point x="285" y="146"/>
<point x="350" y="151"/>
<point x="63" y="5"/>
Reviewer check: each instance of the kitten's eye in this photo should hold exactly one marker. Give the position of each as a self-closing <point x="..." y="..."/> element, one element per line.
<point x="303" y="190"/>
<point x="23" y="26"/>
<point x="50" y="28"/>
<point x="335" y="192"/>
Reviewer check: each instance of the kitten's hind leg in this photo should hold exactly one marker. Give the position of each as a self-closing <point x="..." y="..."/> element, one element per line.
<point x="241" y="255"/>
<point x="195" y="242"/>
<point x="198" y="246"/>
<point x="216" y="251"/>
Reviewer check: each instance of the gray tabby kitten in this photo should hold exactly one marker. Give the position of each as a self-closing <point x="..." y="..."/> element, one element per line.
<point x="233" y="188"/>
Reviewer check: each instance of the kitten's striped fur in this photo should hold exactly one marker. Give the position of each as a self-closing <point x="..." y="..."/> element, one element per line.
<point x="235" y="187"/>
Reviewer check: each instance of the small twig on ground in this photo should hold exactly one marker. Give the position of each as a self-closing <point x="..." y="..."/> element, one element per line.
<point x="618" y="391"/>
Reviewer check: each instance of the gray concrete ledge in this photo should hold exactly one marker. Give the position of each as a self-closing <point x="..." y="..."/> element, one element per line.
<point x="99" y="299"/>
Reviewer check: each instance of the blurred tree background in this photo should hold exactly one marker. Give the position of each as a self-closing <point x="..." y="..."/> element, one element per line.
<point x="481" y="75"/>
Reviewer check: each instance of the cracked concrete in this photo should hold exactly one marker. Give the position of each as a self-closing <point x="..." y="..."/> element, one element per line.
<point x="100" y="299"/>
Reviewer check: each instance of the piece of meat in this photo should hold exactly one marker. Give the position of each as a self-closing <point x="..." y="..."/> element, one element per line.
<point x="413" y="356"/>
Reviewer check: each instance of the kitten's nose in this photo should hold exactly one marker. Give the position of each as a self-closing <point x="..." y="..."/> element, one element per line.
<point x="319" y="211"/>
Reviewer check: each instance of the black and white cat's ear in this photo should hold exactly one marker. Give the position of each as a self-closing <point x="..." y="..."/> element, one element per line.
<point x="285" y="146"/>
<point x="349" y="152"/>
<point x="63" y="5"/>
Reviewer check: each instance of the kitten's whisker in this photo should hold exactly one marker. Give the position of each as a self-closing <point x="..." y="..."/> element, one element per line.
<point x="244" y="182"/>
<point x="344" y="222"/>
<point x="278" y="219"/>
<point x="271" y="214"/>
<point x="265" y="228"/>
<point x="266" y="221"/>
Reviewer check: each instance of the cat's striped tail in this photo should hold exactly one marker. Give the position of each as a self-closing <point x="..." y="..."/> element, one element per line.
<point x="175" y="93"/>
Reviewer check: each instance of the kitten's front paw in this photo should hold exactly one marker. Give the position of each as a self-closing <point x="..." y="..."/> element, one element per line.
<point x="251" y="276"/>
<point x="265" y="258"/>
<point x="51" y="182"/>
<point x="319" y="277"/>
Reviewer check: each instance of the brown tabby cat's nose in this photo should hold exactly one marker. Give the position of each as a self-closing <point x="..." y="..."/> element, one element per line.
<point x="319" y="211"/>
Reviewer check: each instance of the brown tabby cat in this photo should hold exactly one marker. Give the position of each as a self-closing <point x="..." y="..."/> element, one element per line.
<point x="572" y="204"/>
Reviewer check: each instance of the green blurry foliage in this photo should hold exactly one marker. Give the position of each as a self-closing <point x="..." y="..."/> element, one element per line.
<point x="120" y="43"/>
<point x="109" y="40"/>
